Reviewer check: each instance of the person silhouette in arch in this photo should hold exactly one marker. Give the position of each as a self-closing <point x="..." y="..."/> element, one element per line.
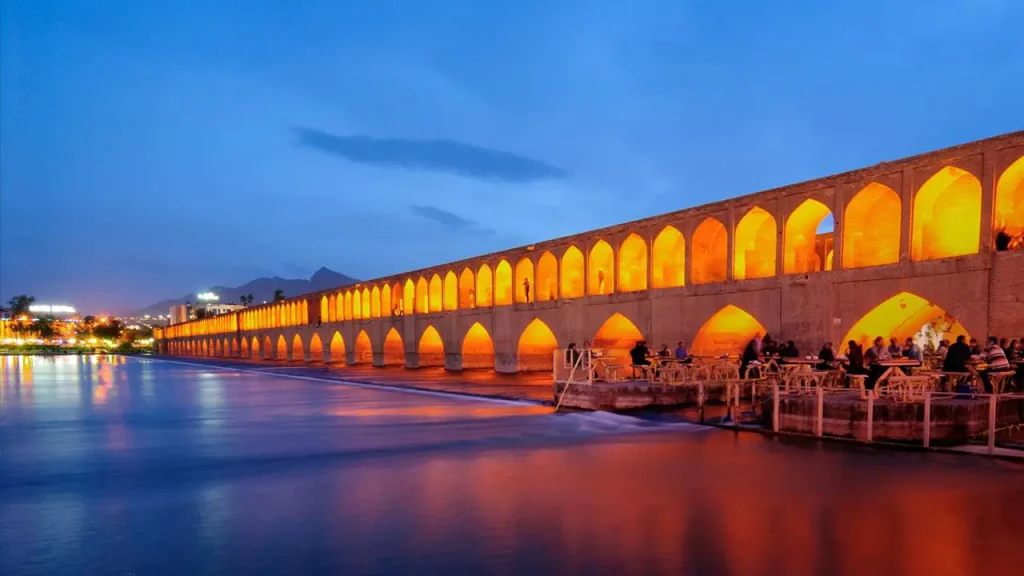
<point x="526" y="288"/>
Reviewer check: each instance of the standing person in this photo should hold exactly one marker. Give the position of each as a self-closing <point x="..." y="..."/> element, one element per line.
<point x="638" y="355"/>
<point x="751" y="355"/>
<point x="995" y="357"/>
<point x="526" y="289"/>
<point x="854" y="358"/>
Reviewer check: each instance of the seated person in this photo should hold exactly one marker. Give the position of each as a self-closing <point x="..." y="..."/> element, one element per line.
<point x="664" y="352"/>
<point x="873" y="359"/>
<point x="638" y="355"/>
<point x="912" y="351"/>
<point x="751" y="355"/>
<point x="957" y="356"/>
<point x="789" y="350"/>
<point x="826" y="357"/>
<point x="995" y="357"/>
<point x="854" y="359"/>
<point x="681" y="354"/>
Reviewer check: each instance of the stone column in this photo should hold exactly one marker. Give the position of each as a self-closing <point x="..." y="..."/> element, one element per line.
<point x="988" y="177"/>
<point x="731" y="237"/>
<point x="907" y="209"/>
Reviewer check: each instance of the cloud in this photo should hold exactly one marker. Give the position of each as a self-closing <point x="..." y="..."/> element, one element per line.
<point x="449" y="220"/>
<point x="433" y="155"/>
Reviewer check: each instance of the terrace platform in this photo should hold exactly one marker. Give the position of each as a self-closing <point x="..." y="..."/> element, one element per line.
<point x="637" y="394"/>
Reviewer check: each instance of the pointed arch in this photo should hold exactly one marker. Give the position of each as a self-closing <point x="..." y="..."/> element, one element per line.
<point x="871" y="227"/>
<point x="357" y="304"/>
<point x="245" y="348"/>
<point x="304" y="312"/>
<point x="573" y="276"/>
<point x="503" y="284"/>
<point x="375" y="302"/>
<point x="339" y="307"/>
<point x="477" y="348"/>
<point x="268" y="348"/>
<point x="602" y="267"/>
<point x="947" y="216"/>
<point x="254" y="349"/>
<point x="394" y="349"/>
<point x="348" y="305"/>
<point x="366" y="303"/>
<point x="632" y="264"/>
<point x="363" y="353"/>
<point x="726" y="332"/>
<point x="409" y="297"/>
<point x="336" y="352"/>
<point x="326" y="314"/>
<point x="710" y="252"/>
<point x="386" y="308"/>
<point x="803" y="247"/>
<point x="298" y="354"/>
<point x="467" y="289"/>
<point x="281" y="350"/>
<point x="617" y="335"/>
<point x="524" y="283"/>
<point x="422" y="298"/>
<point x="430" y="348"/>
<point x="754" y="256"/>
<point x="906" y="315"/>
<point x="669" y="255"/>
<point x="536" y="347"/>
<point x="547" y="277"/>
<point x="436" y="292"/>
<point x="316" y="348"/>
<point x="1009" y="200"/>
<point x="484" y="286"/>
<point x="451" y="291"/>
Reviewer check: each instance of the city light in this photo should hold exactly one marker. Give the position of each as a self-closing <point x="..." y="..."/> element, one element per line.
<point x="207" y="296"/>
<point x="51" y="309"/>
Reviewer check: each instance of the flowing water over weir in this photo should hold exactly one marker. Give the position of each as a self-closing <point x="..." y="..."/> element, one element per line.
<point x="116" y="466"/>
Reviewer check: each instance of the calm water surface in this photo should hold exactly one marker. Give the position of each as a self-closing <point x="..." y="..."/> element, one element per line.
<point x="115" y="466"/>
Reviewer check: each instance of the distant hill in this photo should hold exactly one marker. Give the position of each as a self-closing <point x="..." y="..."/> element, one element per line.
<point x="261" y="289"/>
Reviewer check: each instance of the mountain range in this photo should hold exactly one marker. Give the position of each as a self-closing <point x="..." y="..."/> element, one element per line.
<point x="262" y="289"/>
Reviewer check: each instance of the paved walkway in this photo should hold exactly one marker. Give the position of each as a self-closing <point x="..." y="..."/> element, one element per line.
<point x="532" y="386"/>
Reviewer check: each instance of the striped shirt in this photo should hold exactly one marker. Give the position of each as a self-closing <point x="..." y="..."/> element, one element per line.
<point x="995" y="357"/>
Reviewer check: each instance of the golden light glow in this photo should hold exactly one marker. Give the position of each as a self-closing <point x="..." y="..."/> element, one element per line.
<point x="727" y="332"/>
<point x="281" y="350"/>
<point x="366" y="302"/>
<point x="524" y="274"/>
<point x="547" y="277"/>
<point x="947" y="216"/>
<point x="298" y="354"/>
<point x="484" y="286"/>
<point x="801" y="237"/>
<point x="503" y="284"/>
<point x="828" y="260"/>
<point x="1010" y="200"/>
<point x="536" y="347"/>
<point x="385" y="300"/>
<point x="477" y="348"/>
<point x="255" y="348"/>
<point x="617" y="336"/>
<point x="871" y="227"/>
<point x="394" y="349"/>
<point x="325" y="309"/>
<point x="905" y="315"/>
<point x="669" y="255"/>
<point x="337" y="349"/>
<point x="375" y="302"/>
<point x="436" y="293"/>
<point x="451" y="291"/>
<point x="364" y="349"/>
<point x="339" y="313"/>
<point x="710" y="252"/>
<point x="268" y="348"/>
<point x="632" y="264"/>
<point x="572" y="273"/>
<point x="602" y="266"/>
<point x="304" y="313"/>
<point x="467" y="289"/>
<point x="348" y="305"/>
<point x="754" y="256"/>
<point x="431" y="348"/>
<point x="316" y="348"/>
<point x="245" y="347"/>
<point x="409" y="297"/>
<point x="421" y="296"/>
<point x="357" y="304"/>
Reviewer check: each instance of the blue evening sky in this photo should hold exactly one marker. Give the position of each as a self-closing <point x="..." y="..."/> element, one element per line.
<point x="152" y="148"/>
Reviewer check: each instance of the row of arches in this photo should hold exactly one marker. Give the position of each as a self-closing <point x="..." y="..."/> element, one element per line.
<point x="276" y="315"/>
<point x="725" y="332"/>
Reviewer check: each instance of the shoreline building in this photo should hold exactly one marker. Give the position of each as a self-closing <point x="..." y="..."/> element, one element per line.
<point x="913" y="253"/>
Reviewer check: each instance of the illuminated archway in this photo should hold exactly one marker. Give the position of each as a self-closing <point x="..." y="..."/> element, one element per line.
<point x="366" y="302"/>
<point x="326" y="312"/>
<point x="451" y="291"/>
<point x="547" y="277"/>
<point x="906" y="315"/>
<point x="710" y="252"/>
<point x="669" y="255"/>
<point x="871" y="227"/>
<point x="375" y="302"/>
<point x="947" y="216"/>
<point x="397" y="304"/>
<point x="477" y="348"/>
<point x="467" y="289"/>
<point x="348" y="305"/>
<point x="337" y="349"/>
<point x="431" y="348"/>
<point x="524" y="278"/>
<point x="364" y="349"/>
<point x="484" y="286"/>
<point x="632" y="264"/>
<point x="385" y="301"/>
<point x="245" y="347"/>
<point x="254" y="350"/>
<point x="617" y="336"/>
<point x="536" y="347"/>
<point x="281" y="350"/>
<point x="422" y="306"/>
<point x="803" y="245"/>
<point x="727" y="332"/>
<point x="298" y="354"/>
<point x="394" y="349"/>
<point x="304" y="312"/>
<point x="339" y="313"/>
<point x="216" y="348"/>
<point x="357" y="304"/>
<point x="602" y="266"/>
<point x="409" y="297"/>
<point x="754" y="256"/>
<point x="1009" y="209"/>
<point x="436" y="292"/>
<point x="572" y="273"/>
<point x="503" y="284"/>
<point x="316" y="348"/>
<point x="268" y="348"/>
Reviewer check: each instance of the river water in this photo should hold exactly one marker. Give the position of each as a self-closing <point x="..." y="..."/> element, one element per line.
<point x="134" y="466"/>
